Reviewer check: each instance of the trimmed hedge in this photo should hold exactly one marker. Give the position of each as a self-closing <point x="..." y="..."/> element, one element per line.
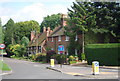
<point x="105" y="54"/>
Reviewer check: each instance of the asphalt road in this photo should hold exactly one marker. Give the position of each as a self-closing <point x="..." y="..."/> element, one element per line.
<point x="29" y="70"/>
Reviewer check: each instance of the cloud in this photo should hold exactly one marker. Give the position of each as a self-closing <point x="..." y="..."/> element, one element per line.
<point x="35" y="11"/>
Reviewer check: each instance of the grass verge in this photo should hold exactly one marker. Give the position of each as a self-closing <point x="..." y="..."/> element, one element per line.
<point x="4" y="66"/>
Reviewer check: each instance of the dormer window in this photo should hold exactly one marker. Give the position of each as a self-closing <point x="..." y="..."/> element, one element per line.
<point x="67" y="38"/>
<point x="59" y="38"/>
<point x="76" y="37"/>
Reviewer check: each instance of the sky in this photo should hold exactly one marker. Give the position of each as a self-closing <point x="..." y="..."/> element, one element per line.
<point x="25" y="10"/>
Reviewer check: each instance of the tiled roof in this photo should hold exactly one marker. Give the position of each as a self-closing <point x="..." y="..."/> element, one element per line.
<point x="38" y="41"/>
<point x="57" y="31"/>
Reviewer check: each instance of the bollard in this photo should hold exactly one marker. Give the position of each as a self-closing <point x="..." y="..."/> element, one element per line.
<point x="95" y="67"/>
<point x="52" y="62"/>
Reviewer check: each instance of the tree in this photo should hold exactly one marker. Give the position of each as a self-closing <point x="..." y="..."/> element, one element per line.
<point x="81" y="19"/>
<point x="107" y="18"/>
<point x="24" y="41"/>
<point x="9" y="29"/>
<point x="1" y="40"/>
<point x="25" y="28"/>
<point x="51" y="21"/>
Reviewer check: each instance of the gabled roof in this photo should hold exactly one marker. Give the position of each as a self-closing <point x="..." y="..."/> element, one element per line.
<point x="38" y="41"/>
<point x="57" y="32"/>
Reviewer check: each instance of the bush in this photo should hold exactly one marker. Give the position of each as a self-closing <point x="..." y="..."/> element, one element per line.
<point x="71" y="58"/>
<point x="106" y="54"/>
<point x="60" y="58"/>
<point x="18" y="50"/>
<point x="40" y="57"/>
<point x="82" y="56"/>
<point x="32" y="56"/>
<point x="49" y="54"/>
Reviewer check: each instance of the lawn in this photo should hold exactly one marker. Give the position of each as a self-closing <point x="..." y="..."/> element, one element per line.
<point x="4" y="66"/>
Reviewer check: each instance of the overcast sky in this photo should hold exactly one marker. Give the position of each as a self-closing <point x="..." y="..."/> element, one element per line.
<point x="25" y="10"/>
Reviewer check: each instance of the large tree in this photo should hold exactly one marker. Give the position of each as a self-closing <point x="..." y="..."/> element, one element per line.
<point x="51" y="21"/>
<point x="107" y="18"/>
<point x="15" y="31"/>
<point x="25" y="28"/>
<point x="81" y="19"/>
<point x="9" y="31"/>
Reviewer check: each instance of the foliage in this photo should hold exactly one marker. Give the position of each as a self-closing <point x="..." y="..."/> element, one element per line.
<point x="15" y="31"/>
<point x="105" y="54"/>
<point x="25" y="28"/>
<point x="1" y="33"/>
<point x="81" y="19"/>
<point x="40" y="57"/>
<point x="18" y="50"/>
<point x="82" y="56"/>
<point x="71" y="58"/>
<point x="49" y="55"/>
<point x="106" y="45"/>
<point x="9" y="32"/>
<point x="51" y="21"/>
<point x="60" y="58"/>
<point x="107" y="12"/>
<point x="24" y="41"/>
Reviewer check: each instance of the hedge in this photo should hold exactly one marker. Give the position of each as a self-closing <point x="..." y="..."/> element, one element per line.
<point x="105" y="54"/>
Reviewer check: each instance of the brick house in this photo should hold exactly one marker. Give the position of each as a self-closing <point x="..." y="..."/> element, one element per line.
<point x="55" y="40"/>
<point x="38" y="41"/>
<point x="58" y="39"/>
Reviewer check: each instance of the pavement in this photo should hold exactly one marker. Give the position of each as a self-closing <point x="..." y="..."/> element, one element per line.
<point x="84" y="70"/>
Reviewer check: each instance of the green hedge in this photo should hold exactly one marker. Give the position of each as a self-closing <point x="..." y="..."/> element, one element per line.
<point x="106" y="54"/>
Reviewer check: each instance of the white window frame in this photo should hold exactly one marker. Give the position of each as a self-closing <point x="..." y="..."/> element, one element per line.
<point x="59" y="38"/>
<point x="67" y="38"/>
<point x="67" y="52"/>
<point x="76" y="37"/>
<point x="52" y="39"/>
<point x="52" y="48"/>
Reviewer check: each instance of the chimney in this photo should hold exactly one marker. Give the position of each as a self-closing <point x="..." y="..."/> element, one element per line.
<point x="48" y="31"/>
<point x="44" y="29"/>
<point x="63" y="21"/>
<point x="32" y="35"/>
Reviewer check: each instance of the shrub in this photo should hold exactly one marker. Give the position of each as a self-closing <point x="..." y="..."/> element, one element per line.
<point x="32" y="56"/>
<point x="60" y="58"/>
<point x="49" y="54"/>
<point x="106" y="54"/>
<point x="40" y="57"/>
<point x="71" y="58"/>
<point x="82" y="56"/>
<point x="18" y="50"/>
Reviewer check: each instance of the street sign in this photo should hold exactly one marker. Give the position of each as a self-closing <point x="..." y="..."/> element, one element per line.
<point x="2" y="46"/>
<point x="60" y="48"/>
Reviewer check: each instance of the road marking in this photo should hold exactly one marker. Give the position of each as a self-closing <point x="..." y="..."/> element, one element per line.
<point x="107" y="72"/>
<point x="72" y="73"/>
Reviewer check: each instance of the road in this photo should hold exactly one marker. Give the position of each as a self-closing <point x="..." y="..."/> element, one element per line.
<point x="29" y="70"/>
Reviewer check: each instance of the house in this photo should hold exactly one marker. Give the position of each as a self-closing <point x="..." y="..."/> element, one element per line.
<point x="55" y="40"/>
<point x="38" y="41"/>
<point x="58" y="41"/>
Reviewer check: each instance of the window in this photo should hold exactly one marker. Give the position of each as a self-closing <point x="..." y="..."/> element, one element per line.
<point x="76" y="38"/>
<point x="75" y="51"/>
<point x="39" y="49"/>
<point x="52" y="39"/>
<point x="59" y="38"/>
<point x="67" y="38"/>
